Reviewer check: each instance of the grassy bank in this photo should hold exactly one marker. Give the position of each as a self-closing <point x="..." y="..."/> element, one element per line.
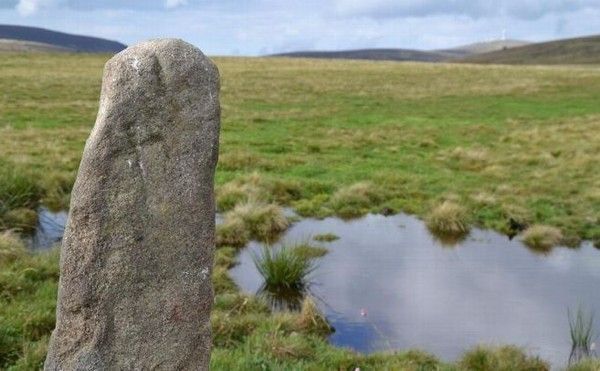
<point x="247" y="336"/>
<point x="504" y="142"/>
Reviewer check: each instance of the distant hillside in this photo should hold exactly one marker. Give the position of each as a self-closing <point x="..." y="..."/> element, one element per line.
<point x="21" y="46"/>
<point x="371" y="54"/>
<point x="61" y="41"/>
<point x="583" y="50"/>
<point x="482" y="47"/>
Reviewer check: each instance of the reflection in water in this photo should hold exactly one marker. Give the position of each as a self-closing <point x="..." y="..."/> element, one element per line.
<point x="449" y="239"/>
<point x="488" y="289"/>
<point x="50" y="228"/>
<point x="283" y="299"/>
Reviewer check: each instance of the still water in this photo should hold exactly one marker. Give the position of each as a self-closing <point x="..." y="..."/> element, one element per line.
<point x="49" y="230"/>
<point x="388" y="284"/>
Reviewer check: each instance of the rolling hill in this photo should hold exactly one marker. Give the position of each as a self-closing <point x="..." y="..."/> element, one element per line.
<point x="22" y="38"/>
<point x="371" y="54"/>
<point x="482" y="47"/>
<point x="441" y="55"/>
<point x="22" y="46"/>
<point x="582" y="50"/>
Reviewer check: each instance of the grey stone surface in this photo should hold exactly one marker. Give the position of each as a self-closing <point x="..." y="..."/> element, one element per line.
<point x="135" y="287"/>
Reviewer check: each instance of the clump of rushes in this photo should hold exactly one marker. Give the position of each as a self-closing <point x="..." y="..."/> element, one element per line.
<point x="283" y="268"/>
<point x="355" y="200"/>
<point x="581" y="328"/>
<point x="448" y="219"/>
<point x="503" y="358"/>
<point x="542" y="237"/>
<point x="326" y="237"/>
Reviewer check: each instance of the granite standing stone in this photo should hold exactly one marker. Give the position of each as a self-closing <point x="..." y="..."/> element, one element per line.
<point x="135" y="286"/>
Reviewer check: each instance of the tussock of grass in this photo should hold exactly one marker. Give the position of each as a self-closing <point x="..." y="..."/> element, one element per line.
<point x="542" y="237"/>
<point x="256" y="188"/>
<point x="326" y="237"/>
<point x="251" y="219"/>
<point x="283" y="268"/>
<point x="315" y="206"/>
<point x="470" y="158"/>
<point x="356" y="200"/>
<point x="448" y="218"/>
<point x="225" y="257"/>
<point x="222" y="282"/>
<point x="232" y="232"/>
<point x="311" y="319"/>
<point x="242" y="160"/>
<point x="263" y="220"/>
<point x="503" y="358"/>
<point x="306" y="251"/>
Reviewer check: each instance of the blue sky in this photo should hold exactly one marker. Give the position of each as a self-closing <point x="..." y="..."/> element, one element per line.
<point x="255" y="27"/>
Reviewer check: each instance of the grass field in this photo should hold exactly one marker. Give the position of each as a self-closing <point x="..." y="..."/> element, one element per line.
<point x="325" y="137"/>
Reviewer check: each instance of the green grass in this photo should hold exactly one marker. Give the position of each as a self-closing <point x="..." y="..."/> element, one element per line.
<point x="589" y="364"/>
<point x="326" y="237"/>
<point x="28" y="286"/>
<point x="503" y="358"/>
<point x="526" y="138"/>
<point x="323" y="137"/>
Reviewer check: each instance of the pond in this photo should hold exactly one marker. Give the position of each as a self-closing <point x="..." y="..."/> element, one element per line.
<point x="49" y="230"/>
<point x="387" y="283"/>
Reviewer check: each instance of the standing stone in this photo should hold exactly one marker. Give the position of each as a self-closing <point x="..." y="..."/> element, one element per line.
<point x="135" y="286"/>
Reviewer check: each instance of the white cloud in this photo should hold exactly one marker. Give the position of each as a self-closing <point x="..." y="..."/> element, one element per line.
<point x="170" y="4"/>
<point x="531" y="9"/>
<point x="30" y="7"/>
<point x="256" y="27"/>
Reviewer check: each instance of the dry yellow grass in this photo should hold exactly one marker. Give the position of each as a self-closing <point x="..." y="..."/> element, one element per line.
<point x="448" y="218"/>
<point x="542" y="237"/>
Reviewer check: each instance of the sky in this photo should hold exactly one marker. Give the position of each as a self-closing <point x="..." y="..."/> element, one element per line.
<point x="258" y="27"/>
